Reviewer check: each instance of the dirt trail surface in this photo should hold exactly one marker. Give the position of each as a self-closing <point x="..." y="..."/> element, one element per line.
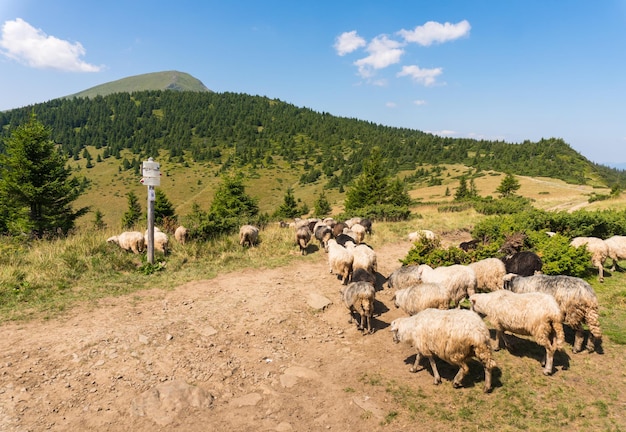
<point x="257" y="350"/>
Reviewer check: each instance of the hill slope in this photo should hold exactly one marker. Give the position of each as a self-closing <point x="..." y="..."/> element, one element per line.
<point x="169" y="80"/>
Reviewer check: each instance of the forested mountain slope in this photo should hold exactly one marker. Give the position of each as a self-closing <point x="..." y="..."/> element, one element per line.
<point x="231" y="130"/>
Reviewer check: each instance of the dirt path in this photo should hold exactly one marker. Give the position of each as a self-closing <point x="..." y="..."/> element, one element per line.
<point x="242" y="352"/>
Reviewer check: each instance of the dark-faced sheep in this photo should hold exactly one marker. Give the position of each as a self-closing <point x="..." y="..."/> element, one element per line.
<point x="455" y="336"/>
<point x="248" y="235"/>
<point x="303" y="237"/>
<point x="132" y="241"/>
<point x="599" y="252"/>
<point x="530" y="314"/>
<point x="323" y="233"/>
<point x="359" y="298"/>
<point x="576" y="299"/>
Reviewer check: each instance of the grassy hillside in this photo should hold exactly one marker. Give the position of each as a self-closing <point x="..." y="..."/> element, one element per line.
<point x="170" y="80"/>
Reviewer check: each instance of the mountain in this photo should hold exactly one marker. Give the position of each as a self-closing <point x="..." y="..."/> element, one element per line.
<point x="169" y="80"/>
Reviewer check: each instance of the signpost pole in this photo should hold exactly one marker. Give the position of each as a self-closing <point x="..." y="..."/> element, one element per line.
<point x="151" y="178"/>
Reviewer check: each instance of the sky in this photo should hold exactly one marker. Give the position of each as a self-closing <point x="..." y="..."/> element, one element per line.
<point x="510" y="70"/>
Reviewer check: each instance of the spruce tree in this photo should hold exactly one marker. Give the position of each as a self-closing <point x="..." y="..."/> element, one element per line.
<point x="36" y="186"/>
<point x="164" y="212"/>
<point x="133" y="214"/>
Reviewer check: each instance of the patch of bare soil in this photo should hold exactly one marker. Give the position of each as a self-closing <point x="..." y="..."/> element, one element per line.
<point x="257" y="350"/>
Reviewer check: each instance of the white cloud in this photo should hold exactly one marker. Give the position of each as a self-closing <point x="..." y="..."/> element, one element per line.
<point x="22" y="42"/>
<point x="383" y="53"/>
<point x="433" y="31"/>
<point x="347" y="42"/>
<point x="419" y="102"/>
<point x="390" y="105"/>
<point x="442" y="133"/>
<point x="426" y="77"/>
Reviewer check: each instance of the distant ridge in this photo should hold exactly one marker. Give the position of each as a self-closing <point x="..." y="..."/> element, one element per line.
<point x="168" y="80"/>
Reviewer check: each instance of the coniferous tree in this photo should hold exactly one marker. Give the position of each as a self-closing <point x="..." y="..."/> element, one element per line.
<point x="322" y="206"/>
<point x="35" y="185"/>
<point x="133" y="214"/>
<point x="289" y="208"/>
<point x="98" y="222"/>
<point x="164" y="213"/>
<point x="508" y="186"/>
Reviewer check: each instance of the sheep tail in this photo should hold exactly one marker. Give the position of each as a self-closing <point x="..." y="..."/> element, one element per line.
<point x="484" y="355"/>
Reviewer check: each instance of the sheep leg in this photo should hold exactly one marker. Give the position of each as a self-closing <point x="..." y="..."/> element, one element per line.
<point x="549" y="360"/>
<point x="497" y="342"/>
<point x="591" y="343"/>
<point x="416" y="366"/>
<point x="458" y="379"/>
<point x="601" y="273"/>
<point x="433" y="366"/>
<point x="579" y="337"/>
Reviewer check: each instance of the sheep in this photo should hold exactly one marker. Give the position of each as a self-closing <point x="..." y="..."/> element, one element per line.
<point x="350" y="222"/>
<point x="599" y="252"/>
<point x="576" y="299"/>
<point x="469" y="245"/>
<point x="489" y="273"/>
<point x="363" y="257"/>
<point x="181" y="234"/>
<point x="367" y="224"/>
<point x="342" y="239"/>
<point x="339" y="260"/>
<point x="248" y="235"/>
<point x="132" y="241"/>
<point x="338" y="228"/>
<point x="303" y="236"/>
<point x="458" y="280"/>
<point x="533" y="314"/>
<point x="422" y="296"/>
<point x="403" y="277"/>
<point x="362" y="275"/>
<point x="617" y="250"/>
<point x="455" y="336"/>
<point x="359" y="233"/>
<point x="161" y="241"/>
<point x="416" y="235"/>
<point x="323" y="233"/>
<point x="359" y="297"/>
<point x="525" y="263"/>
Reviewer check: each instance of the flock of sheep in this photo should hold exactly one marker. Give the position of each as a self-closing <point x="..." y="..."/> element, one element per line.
<point x="510" y="292"/>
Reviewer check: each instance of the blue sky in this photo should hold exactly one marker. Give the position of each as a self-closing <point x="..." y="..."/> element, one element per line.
<point x="509" y="70"/>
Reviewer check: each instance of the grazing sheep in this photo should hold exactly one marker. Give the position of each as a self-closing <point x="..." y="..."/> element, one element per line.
<point x="367" y="224"/>
<point x="403" y="277"/>
<point x="132" y="241"/>
<point x="359" y="297"/>
<point x="533" y="314"/>
<point x="338" y="228"/>
<point x="181" y="234"/>
<point x="422" y="296"/>
<point x="576" y="299"/>
<point x="161" y="241"/>
<point x="323" y="233"/>
<point x="458" y="280"/>
<point x="248" y="235"/>
<point x="363" y="257"/>
<point x="455" y="336"/>
<point x="339" y="260"/>
<point x="416" y="235"/>
<point x="489" y="273"/>
<point x="525" y="263"/>
<point x="617" y="250"/>
<point x="303" y="237"/>
<point x="359" y="233"/>
<point x="599" y="252"/>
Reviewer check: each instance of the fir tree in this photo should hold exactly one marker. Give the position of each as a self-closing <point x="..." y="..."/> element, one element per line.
<point x="133" y="214"/>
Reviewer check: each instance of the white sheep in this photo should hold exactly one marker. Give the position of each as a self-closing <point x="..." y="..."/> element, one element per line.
<point x="403" y="277"/>
<point x="359" y="232"/>
<point x="181" y="234"/>
<point x="455" y="336"/>
<point x="339" y="260"/>
<point x="352" y="221"/>
<point x="161" y="241"/>
<point x="458" y="280"/>
<point x="359" y="298"/>
<point x="599" y="252"/>
<point x="248" y="235"/>
<point x="421" y="296"/>
<point x="363" y="257"/>
<point x="416" y="235"/>
<point x="617" y="250"/>
<point x="576" y="299"/>
<point x="132" y="241"/>
<point x="489" y="273"/>
<point x="533" y="314"/>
